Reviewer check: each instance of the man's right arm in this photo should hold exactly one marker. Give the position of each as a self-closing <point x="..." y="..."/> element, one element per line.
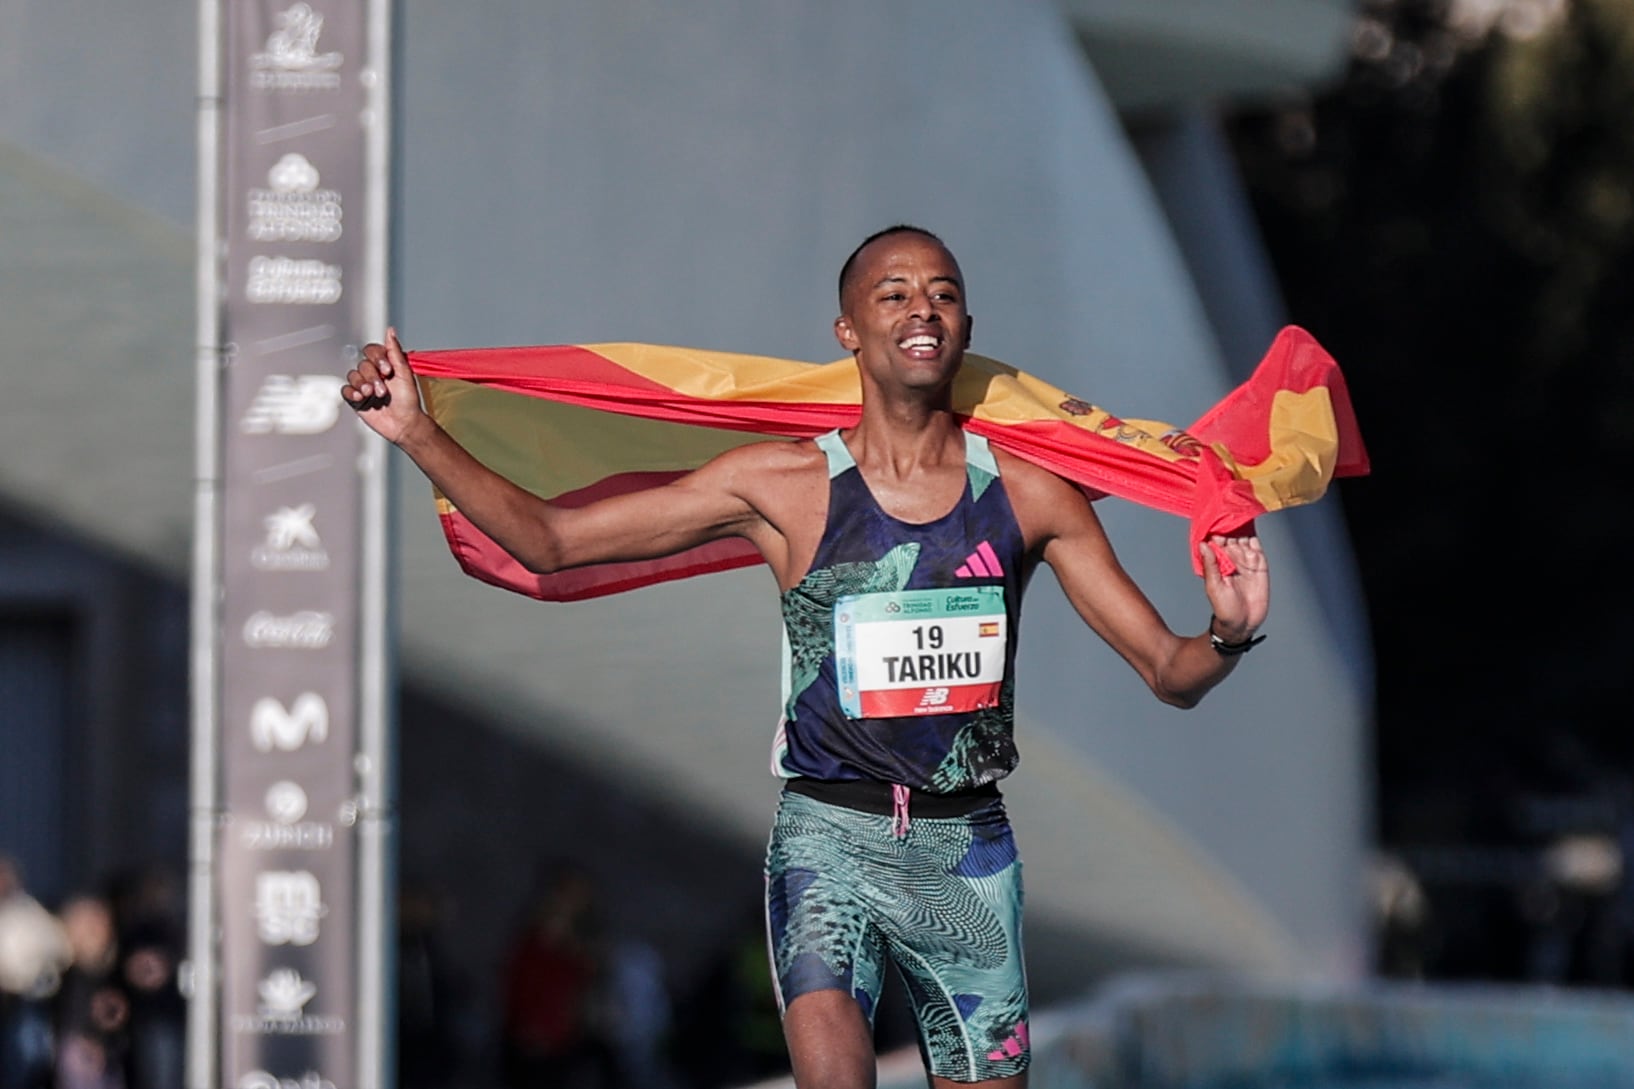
<point x="1180" y="670"/>
<point x="700" y="507"/>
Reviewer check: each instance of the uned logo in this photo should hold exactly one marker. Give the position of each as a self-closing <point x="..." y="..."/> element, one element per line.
<point x="273" y="726"/>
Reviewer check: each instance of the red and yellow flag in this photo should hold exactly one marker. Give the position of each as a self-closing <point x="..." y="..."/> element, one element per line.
<point x="574" y="423"/>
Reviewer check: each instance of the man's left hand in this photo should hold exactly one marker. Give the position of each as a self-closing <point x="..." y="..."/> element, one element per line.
<point x="1241" y="599"/>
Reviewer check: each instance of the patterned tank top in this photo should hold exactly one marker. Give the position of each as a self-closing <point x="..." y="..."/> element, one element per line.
<point x="899" y="644"/>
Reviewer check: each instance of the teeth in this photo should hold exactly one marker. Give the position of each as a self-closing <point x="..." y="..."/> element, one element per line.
<point x="919" y="342"/>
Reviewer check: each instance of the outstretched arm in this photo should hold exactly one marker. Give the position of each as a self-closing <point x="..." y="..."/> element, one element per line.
<point x="1180" y="670"/>
<point x="701" y="507"/>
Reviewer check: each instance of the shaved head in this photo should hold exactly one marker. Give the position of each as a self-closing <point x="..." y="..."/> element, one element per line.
<point x="848" y="271"/>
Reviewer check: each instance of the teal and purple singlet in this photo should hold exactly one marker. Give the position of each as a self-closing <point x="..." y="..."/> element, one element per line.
<point x="891" y="843"/>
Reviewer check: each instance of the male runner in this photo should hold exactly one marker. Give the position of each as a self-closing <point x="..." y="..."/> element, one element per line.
<point x="901" y="548"/>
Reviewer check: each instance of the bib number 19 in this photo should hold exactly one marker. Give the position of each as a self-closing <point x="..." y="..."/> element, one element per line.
<point x="920" y="652"/>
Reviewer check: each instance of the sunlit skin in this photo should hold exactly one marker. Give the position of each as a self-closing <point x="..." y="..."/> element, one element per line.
<point x="904" y="319"/>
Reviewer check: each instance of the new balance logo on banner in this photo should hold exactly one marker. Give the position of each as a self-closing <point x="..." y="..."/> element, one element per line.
<point x="980" y="564"/>
<point x="303" y="404"/>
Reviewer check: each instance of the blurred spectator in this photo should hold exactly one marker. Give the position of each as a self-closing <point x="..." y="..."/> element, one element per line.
<point x="427" y="1055"/>
<point x="158" y="1014"/>
<point x="732" y="1032"/>
<point x="1400" y="914"/>
<point x="33" y="954"/>
<point x="550" y="980"/>
<point x="632" y="1016"/>
<point x="147" y="905"/>
<point x="92" y="1007"/>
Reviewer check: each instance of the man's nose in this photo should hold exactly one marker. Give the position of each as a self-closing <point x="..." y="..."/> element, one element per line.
<point x="922" y="308"/>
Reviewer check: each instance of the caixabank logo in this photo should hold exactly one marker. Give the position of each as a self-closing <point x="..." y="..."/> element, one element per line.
<point x="292" y="542"/>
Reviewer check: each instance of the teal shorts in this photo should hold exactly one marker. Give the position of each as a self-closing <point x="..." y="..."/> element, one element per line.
<point x="942" y="902"/>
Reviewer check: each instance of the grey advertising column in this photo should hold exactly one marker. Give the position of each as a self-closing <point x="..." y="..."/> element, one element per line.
<point x="292" y="805"/>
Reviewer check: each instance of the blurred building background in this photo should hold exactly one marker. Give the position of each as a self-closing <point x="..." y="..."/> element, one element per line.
<point x="1455" y="220"/>
<point x="633" y="170"/>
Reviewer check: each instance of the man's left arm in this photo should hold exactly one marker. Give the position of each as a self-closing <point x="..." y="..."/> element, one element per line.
<point x="1061" y="525"/>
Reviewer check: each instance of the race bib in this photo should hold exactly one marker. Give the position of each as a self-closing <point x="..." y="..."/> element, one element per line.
<point x="920" y="652"/>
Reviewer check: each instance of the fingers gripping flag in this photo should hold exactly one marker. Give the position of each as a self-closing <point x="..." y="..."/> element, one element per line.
<point x="575" y="423"/>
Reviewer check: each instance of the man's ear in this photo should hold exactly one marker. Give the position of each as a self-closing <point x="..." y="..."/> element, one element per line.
<point x="845" y="334"/>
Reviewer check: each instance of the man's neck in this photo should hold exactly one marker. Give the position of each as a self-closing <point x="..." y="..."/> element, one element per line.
<point x="901" y="437"/>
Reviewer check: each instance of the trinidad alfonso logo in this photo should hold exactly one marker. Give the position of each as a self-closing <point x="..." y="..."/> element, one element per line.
<point x="292" y="207"/>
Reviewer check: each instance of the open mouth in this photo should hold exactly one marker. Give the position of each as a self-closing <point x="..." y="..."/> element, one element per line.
<point x="922" y="346"/>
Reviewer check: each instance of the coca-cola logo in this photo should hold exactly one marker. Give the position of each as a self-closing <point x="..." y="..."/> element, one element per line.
<point x="305" y="630"/>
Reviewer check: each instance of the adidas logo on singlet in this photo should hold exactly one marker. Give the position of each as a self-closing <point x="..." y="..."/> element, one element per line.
<point x="980" y="564"/>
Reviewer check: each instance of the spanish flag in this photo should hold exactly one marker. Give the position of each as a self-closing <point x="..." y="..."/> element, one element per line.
<point x="574" y="423"/>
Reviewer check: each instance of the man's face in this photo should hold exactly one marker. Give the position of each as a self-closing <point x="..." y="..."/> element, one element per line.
<point x="904" y="313"/>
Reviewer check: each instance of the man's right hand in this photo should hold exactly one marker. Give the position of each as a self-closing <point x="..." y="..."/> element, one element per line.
<point x="383" y="391"/>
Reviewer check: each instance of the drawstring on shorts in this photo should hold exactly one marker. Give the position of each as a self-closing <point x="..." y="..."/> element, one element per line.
<point x="899" y="809"/>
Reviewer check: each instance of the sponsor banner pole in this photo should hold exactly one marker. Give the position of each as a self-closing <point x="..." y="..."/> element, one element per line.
<point x="377" y="769"/>
<point x="199" y="980"/>
<point x="298" y="661"/>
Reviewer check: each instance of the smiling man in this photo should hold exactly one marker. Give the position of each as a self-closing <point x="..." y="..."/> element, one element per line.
<point x="901" y="548"/>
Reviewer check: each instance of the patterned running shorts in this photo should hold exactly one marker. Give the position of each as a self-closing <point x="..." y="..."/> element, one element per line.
<point x="942" y="903"/>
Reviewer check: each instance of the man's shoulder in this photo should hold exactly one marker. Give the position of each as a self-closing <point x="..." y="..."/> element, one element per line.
<point x="1022" y="475"/>
<point x="1043" y="502"/>
<point x="775" y="456"/>
<point x="784" y="483"/>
